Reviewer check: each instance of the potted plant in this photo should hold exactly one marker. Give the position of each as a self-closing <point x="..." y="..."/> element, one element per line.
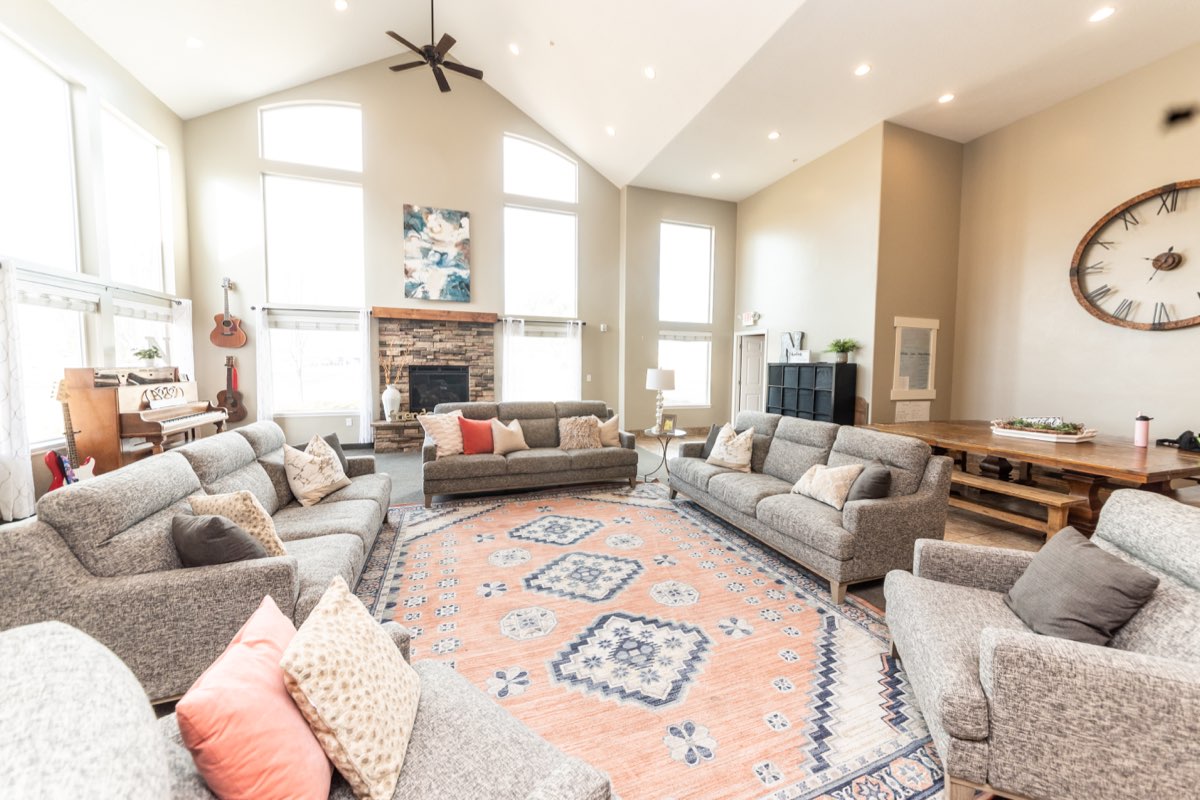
<point x="842" y="348"/>
<point x="148" y="355"/>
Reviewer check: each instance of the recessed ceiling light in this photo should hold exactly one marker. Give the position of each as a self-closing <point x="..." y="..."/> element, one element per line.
<point x="515" y="49"/>
<point x="862" y="69"/>
<point x="716" y="176"/>
<point x="773" y="135"/>
<point x="946" y="98"/>
<point x="649" y="72"/>
<point x="193" y="43"/>
<point x="610" y="130"/>
<point x="1102" y="14"/>
<point x="341" y="5"/>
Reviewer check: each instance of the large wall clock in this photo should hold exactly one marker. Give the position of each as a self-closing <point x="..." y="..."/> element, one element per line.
<point x="1139" y="265"/>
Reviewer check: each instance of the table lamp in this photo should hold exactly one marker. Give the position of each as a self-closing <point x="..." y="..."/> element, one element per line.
<point x="660" y="380"/>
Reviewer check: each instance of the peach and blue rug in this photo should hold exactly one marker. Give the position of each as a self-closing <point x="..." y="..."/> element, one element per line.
<point x="657" y="643"/>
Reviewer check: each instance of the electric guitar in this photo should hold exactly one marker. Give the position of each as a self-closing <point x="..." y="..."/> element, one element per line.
<point x="228" y="331"/>
<point x="230" y="398"/>
<point x="68" y="470"/>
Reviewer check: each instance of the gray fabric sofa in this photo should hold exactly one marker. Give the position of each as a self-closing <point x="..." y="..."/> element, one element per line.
<point x="463" y="745"/>
<point x="544" y="464"/>
<point x="1041" y="717"/>
<point x="100" y="555"/>
<point x="864" y="540"/>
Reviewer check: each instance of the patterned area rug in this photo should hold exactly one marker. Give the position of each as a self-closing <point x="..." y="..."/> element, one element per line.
<point x="657" y="643"/>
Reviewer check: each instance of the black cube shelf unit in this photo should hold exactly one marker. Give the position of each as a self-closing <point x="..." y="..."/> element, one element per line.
<point x="822" y="391"/>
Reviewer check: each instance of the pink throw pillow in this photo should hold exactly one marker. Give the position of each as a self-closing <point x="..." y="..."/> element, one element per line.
<point x="247" y="736"/>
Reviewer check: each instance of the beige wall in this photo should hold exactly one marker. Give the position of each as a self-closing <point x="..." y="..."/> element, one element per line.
<point x="643" y="210"/>
<point x="420" y="147"/>
<point x="1030" y="192"/>
<point x="918" y="255"/>
<point x="807" y="250"/>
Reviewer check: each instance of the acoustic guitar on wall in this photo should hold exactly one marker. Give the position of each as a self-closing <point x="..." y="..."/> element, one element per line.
<point x="228" y="331"/>
<point x="230" y="398"/>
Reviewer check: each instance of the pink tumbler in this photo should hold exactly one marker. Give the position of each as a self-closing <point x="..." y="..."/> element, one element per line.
<point x="1141" y="431"/>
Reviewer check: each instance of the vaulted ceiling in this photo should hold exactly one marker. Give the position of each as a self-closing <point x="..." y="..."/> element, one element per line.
<point x="726" y="74"/>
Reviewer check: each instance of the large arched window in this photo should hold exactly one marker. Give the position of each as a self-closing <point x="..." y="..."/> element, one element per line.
<point x="315" y="134"/>
<point x="532" y="169"/>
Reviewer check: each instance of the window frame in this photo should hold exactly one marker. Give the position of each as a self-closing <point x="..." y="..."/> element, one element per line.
<point x="704" y="337"/>
<point x="262" y="144"/>
<point x="573" y="213"/>
<point x="516" y="137"/>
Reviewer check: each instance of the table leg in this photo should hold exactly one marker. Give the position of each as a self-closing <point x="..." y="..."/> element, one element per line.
<point x="662" y="464"/>
<point x="996" y="467"/>
<point x="1084" y="517"/>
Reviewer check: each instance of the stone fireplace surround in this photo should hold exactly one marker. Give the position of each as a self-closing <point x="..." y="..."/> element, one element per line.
<point x="434" y="338"/>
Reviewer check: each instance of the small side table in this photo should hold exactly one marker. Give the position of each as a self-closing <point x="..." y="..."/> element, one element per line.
<point x="664" y="439"/>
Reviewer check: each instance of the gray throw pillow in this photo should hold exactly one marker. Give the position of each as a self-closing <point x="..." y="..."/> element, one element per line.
<point x="1074" y="590"/>
<point x="710" y="442"/>
<point x="331" y="439"/>
<point x="874" y="482"/>
<point x="206" y="539"/>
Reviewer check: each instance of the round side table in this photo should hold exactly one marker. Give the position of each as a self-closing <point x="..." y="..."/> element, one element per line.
<point x="664" y="439"/>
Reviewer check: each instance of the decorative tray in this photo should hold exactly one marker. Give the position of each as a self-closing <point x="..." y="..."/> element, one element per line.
<point x="1043" y="429"/>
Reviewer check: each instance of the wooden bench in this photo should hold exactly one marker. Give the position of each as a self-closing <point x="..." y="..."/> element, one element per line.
<point x="1057" y="504"/>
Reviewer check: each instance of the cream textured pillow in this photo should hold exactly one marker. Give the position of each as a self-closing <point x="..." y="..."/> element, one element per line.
<point x="246" y="512"/>
<point x="610" y="432"/>
<point x="315" y="473"/>
<point x="732" y="450"/>
<point x="507" y="438"/>
<point x="357" y="692"/>
<point x="830" y="485"/>
<point x="445" y="432"/>
<point x="579" y="433"/>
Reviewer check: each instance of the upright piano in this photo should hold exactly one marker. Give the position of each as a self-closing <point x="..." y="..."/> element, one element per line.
<point x="122" y="415"/>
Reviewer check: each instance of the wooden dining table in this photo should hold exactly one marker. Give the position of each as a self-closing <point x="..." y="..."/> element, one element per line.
<point x="1085" y="467"/>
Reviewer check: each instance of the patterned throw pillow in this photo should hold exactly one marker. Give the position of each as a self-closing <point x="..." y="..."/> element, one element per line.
<point x="356" y="691"/>
<point x="507" y="438"/>
<point x="246" y="512"/>
<point x="315" y="473"/>
<point x="444" y="431"/>
<point x="829" y="485"/>
<point x="610" y="432"/>
<point x="732" y="450"/>
<point x="579" y="433"/>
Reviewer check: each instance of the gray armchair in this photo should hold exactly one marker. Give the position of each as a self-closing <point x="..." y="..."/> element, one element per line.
<point x="1034" y="716"/>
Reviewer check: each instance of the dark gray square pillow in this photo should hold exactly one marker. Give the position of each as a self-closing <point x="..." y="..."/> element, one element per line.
<point x="711" y="441"/>
<point x="332" y="440"/>
<point x="206" y="539"/>
<point x="874" y="482"/>
<point x="1074" y="590"/>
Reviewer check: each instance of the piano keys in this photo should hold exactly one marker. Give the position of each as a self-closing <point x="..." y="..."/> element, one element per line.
<point x="127" y="414"/>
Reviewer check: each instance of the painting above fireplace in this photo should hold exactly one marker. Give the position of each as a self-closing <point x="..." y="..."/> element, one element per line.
<point x="429" y="385"/>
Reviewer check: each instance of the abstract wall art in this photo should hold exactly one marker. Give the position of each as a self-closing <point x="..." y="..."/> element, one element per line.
<point x="437" y="254"/>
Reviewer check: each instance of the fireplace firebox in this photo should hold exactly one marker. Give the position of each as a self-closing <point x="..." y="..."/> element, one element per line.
<point x="430" y="385"/>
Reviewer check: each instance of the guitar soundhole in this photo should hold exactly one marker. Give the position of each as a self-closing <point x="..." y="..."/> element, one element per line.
<point x="226" y="323"/>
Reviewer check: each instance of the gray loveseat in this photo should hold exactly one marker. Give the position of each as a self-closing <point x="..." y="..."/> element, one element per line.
<point x="463" y="745"/>
<point x="544" y="464"/>
<point x="864" y="540"/>
<point x="100" y="555"/>
<point x="1041" y="717"/>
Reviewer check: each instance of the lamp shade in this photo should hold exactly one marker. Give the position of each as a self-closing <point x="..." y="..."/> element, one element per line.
<point x="661" y="379"/>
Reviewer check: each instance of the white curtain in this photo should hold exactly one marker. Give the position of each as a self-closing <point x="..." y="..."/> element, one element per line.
<point x="574" y="373"/>
<point x="366" y="414"/>
<point x="263" y="391"/>
<point x="180" y="350"/>
<point x="542" y="360"/>
<point x="16" y="467"/>
<point x="510" y="337"/>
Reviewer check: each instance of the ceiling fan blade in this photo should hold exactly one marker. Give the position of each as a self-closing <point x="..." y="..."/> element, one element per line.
<point x="440" y="76"/>
<point x="470" y="71"/>
<point x="406" y="43"/>
<point x="402" y="67"/>
<point x="444" y="44"/>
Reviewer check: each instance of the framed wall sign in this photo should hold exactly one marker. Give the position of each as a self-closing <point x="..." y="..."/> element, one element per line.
<point x="915" y="366"/>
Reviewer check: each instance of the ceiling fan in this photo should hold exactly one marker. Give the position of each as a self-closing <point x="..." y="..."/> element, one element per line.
<point x="434" y="56"/>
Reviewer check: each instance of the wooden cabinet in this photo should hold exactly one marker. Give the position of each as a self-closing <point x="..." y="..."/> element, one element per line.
<point x="822" y="391"/>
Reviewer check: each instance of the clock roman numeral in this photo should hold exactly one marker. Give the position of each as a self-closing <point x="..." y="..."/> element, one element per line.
<point x="1099" y="293"/>
<point x="1124" y="309"/>
<point x="1129" y="218"/>
<point x="1106" y="243"/>
<point x="1168" y="201"/>
<point x="1093" y="268"/>
<point x="1161" y="315"/>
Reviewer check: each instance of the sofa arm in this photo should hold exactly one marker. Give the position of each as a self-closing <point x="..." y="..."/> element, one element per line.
<point x="690" y="449"/>
<point x="1076" y="720"/>
<point x="572" y="779"/>
<point x="360" y="465"/>
<point x="401" y="636"/>
<point x="628" y="440"/>
<point x="428" y="451"/>
<point x="995" y="569"/>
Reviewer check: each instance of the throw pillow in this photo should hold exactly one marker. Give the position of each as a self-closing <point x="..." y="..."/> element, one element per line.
<point x="246" y="512"/>
<point x="443" y="429"/>
<point x="1074" y="590"/>
<point x="335" y="444"/>
<point x="829" y="485"/>
<point x="244" y="732"/>
<point x="874" y="482"/>
<point x="732" y="450"/>
<point x="477" y="435"/>
<point x="356" y="691"/>
<point x="315" y="473"/>
<point x="507" y="438"/>
<point x="211" y="539"/>
<point x="713" y="432"/>
<point x="610" y="432"/>
<point x="579" y="433"/>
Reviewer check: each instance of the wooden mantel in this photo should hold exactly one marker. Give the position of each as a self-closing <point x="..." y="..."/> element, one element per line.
<point x="382" y="312"/>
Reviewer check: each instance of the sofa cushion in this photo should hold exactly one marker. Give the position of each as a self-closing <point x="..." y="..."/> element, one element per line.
<point x="733" y="449"/>
<point x="873" y="484"/>
<point x="264" y="437"/>
<point x="796" y="445"/>
<point x="477" y="435"/>
<point x="582" y="408"/>
<point x="602" y="458"/>
<point x="273" y="464"/>
<point x="318" y="561"/>
<point x="695" y="471"/>
<point x="542" y="459"/>
<point x="829" y="485"/>
<point x="579" y="433"/>
<point x="335" y="444"/>
<point x="764" y="425"/>
<point x="507" y="438"/>
<point x="809" y="522"/>
<point x="226" y="463"/>
<point x="744" y="491"/>
<point x="936" y="627"/>
<point x="539" y="421"/>
<point x="443" y="431"/>
<point x="904" y="456"/>
<point x="454" y="467"/>
<point x="120" y="523"/>
<point x="359" y="517"/>
<point x="314" y="472"/>
<point x="610" y="432"/>
<point x="474" y="410"/>
<point x="375" y="486"/>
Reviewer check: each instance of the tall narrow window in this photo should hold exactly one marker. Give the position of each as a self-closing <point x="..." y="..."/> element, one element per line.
<point x="690" y="355"/>
<point x="540" y="262"/>
<point x="135" y="218"/>
<point x="51" y="324"/>
<point x="37" y="195"/>
<point x="685" y="273"/>
<point x="316" y="134"/>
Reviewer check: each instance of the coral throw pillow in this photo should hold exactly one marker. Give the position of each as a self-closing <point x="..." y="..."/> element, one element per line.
<point x="244" y="731"/>
<point x="476" y="435"/>
<point x="444" y="431"/>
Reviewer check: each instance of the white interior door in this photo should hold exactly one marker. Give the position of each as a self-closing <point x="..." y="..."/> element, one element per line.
<point x="750" y="373"/>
